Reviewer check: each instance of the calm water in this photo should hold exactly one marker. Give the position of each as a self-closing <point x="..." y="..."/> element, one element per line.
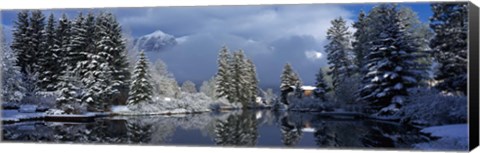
<point x="248" y="128"/>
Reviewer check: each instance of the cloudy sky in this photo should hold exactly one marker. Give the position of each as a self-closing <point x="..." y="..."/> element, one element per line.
<point x="271" y="35"/>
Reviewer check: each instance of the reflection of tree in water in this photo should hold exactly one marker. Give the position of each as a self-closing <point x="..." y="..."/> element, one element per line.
<point x="237" y="130"/>
<point x="139" y="131"/>
<point x="291" y="132"/>
<point x="325" y="136"/>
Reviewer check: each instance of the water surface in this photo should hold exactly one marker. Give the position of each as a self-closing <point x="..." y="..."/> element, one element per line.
<point x="236" y="128"/>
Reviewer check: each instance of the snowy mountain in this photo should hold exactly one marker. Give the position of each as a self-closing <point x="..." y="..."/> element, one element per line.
<point x="156" y="41"/>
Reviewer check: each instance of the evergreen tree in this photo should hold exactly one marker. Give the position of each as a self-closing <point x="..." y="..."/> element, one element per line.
<point x="189" y="87"/>
<point x="36" y="43"/>
<point x="12" y="84"/>
<point x="69" y="88"/>
<point x="449" y="45"/>
<point x="321" y="86"/>
<point x="141" y="88"/>
<point x="223" y="81"/>
<point x="360" y="44"/>
<point x="240" y="78"/>
<point x="391" y="62"/>
<point x="78" y="44"/>
<point x="288" y="79"/>
<point x="21" y="37"/>
<point x="110" y="41"/>
<point x="252" y="80"/>
<point x="338" y="52"/>
<point x="61" y="46"/>
<point x="88" y="40"/>
<point x="48" y="60"/>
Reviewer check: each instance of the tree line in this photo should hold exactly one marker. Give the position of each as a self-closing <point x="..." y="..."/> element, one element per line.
<point x="83" y="59"/>
<point x="391" y="52"/>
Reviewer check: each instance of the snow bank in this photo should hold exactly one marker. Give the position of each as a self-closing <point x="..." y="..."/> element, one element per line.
<point x="187" y="103"/>
<point x="452" y="137"/>
<point x="16" y="116"/>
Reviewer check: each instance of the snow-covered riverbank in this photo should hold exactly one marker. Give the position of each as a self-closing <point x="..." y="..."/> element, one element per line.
<point x="452" y="137"/>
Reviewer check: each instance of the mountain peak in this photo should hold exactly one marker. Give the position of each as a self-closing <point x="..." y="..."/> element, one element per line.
<point x="155" y="41"/>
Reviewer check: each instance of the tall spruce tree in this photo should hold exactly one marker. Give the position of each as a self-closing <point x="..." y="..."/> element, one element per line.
<point x="391" y="62"/>
<point x="61" y="45"/>
<point x="321" y="86"/>
<point x="338" y="52"/>
<point x="110" y="40"/>
<point x="223" y="81"/>
<point x="21" y="37"/>
<point x="78" y="44"/>
<point x="360" y="44"/>
<point x="240" y="78"/>
<point x="252" y="80"/>
<point x="48" y="60"/>
<point x="141" y="88"/>
<point x="449" y="45"/>
<point x="89" y="39"/>
<point x="36" y="43"/>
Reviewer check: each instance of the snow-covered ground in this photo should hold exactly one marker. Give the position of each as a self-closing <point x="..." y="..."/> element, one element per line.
<point x="452" y="137"/>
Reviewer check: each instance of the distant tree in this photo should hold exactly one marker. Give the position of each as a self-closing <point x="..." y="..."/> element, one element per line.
<point x="339" y="52"/>
<point x="288" y="80"/>
<point x="189" y="87"/>
<point x="141" y="88"/>
<point x="223" y="77"/>
<point x="209" y="88"/>
<point x="321" y="86"/>
<point x="162" y="81"/>
<point x="449" y="45"/>
<point x="12" y="84"/>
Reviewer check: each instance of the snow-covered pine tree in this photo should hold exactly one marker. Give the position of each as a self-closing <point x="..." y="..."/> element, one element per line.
<point x="321" y="86"/>
<point x="360" y="44"/>
<point x="89" y="41"/>
<point x="223" y="76"/>
<point x="240" y="78"/>
<point x="449" y="45"/>
<point x="36" y="42"/>
<point x="97" y="81"/>
<point x="78" y="44"/>
<point x="69" y="90"/>
<point x="338" y="52"/>
<point x="391" y="62"/>
<point x="252" y="80"/>
<point x="21" y="37"/>
<point x="12" y="84"/>
<point x="60" y="48"/>
<point x="47" y="59"/>
<point x="298" y="85"/>
<point x="141" y="88"/>
<point x="109" y="34"/>
<point x="288" y="79"/>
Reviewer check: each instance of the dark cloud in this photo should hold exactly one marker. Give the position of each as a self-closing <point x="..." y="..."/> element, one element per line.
<point x="271" y="35"/>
